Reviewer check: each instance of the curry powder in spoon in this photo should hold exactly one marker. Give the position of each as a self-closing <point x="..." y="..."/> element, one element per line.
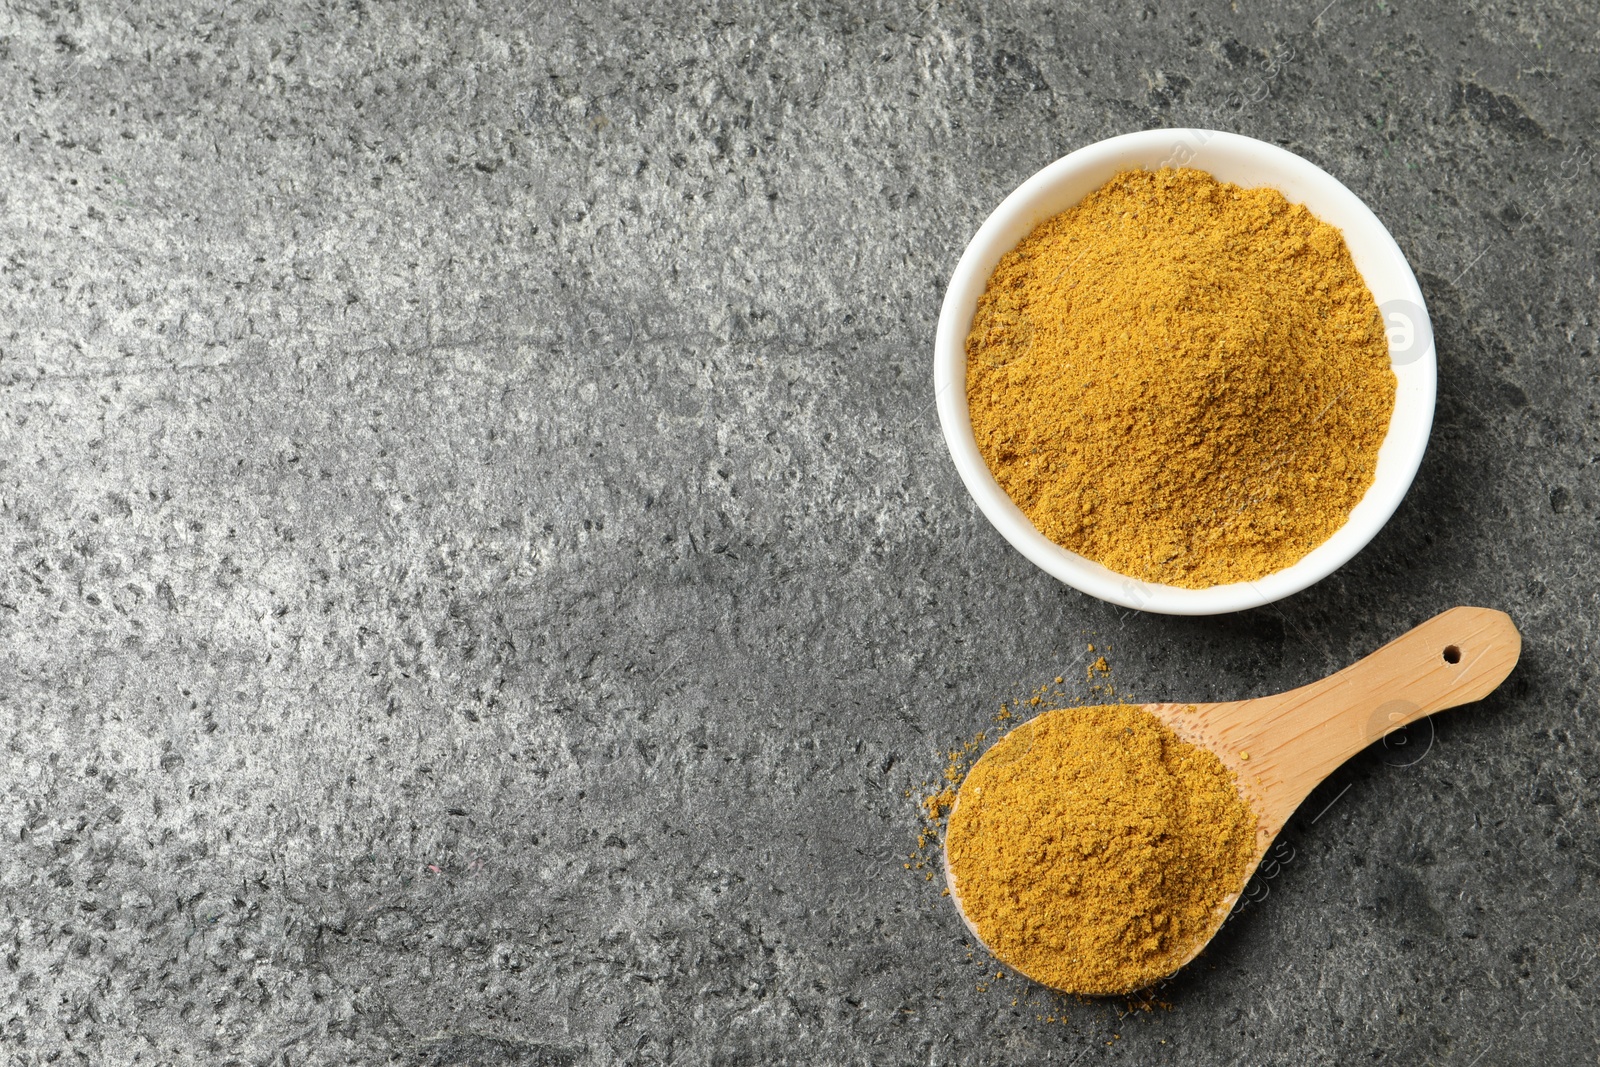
<point x="1181" y="379"/>
<point x="1090" y="848"/>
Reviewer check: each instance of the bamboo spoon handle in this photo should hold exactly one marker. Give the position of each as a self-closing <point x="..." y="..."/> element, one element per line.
<point x="1298" y="738"/>
<point x="1452" y="659"/>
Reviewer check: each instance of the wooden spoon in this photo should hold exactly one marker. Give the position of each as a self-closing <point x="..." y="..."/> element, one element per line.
<point x="1282" y="746"/>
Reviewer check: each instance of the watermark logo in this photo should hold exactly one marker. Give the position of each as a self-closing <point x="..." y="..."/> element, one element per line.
<point x="1405" y="742"/>
<point x="1410" y="333"/>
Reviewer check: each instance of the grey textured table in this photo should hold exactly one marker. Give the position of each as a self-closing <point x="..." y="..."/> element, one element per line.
<point x="482" y="574"/>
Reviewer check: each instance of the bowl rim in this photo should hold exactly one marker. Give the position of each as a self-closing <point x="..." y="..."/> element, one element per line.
<point x="1377" y="257"/>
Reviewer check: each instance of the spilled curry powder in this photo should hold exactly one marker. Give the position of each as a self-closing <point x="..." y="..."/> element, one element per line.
<point x="1181" y="379"/>
<point x="1091" y="848"/>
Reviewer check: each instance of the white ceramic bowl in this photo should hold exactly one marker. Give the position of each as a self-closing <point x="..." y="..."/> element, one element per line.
<point x="1246" y="162"/>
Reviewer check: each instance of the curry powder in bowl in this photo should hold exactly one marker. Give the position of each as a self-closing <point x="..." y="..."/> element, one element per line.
<point x="1185" y="381"/>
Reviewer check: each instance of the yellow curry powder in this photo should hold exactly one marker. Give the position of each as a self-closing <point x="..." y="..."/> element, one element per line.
<point x="1091" y="848"/>
<point x="1180" y="379"/>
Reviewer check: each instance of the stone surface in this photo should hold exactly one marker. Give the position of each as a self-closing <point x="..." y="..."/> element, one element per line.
<point x="482" y="575"/>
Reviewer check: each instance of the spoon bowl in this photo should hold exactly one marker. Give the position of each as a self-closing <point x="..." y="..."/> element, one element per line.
<point x="1281" y="747"/>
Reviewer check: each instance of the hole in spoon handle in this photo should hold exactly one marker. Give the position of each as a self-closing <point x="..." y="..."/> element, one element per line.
<point x="1309" y="731"/>
<point x="1453" y="658"/>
